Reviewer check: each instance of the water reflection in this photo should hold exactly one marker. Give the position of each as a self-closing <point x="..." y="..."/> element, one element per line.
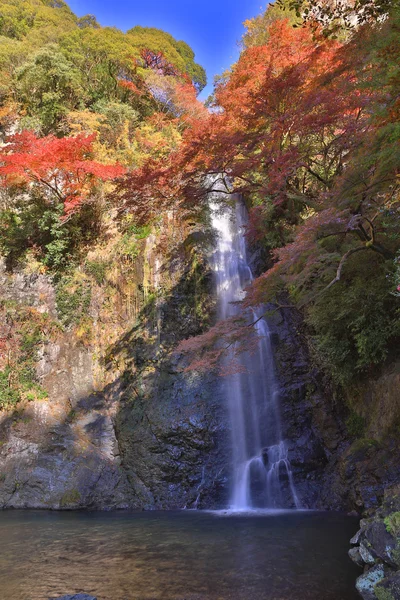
<point x="176" y="556"/>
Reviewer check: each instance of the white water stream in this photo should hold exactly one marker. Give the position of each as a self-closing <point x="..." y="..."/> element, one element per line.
<point x="262" y="476"/>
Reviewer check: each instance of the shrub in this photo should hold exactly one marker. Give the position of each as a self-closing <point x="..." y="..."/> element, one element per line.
<point x="73" y="297"/>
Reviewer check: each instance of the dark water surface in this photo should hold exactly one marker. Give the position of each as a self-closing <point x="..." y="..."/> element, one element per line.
<point x="176" y="556"/>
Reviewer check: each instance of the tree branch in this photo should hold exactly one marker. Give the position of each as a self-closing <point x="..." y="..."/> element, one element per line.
<point x="340" y="268"/>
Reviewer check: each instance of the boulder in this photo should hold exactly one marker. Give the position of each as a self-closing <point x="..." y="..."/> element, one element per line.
<point x="357" y="537"/>
<point x="354" y="554"/>
<point x="389" y="588"/>
<point x="380" y="542"/>
<point x="366" y="583"/>
<point x="366" y="554"/>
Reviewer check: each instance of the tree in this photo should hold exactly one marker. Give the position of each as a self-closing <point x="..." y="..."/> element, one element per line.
<point x="307" y="130"/>
<point x="60" y="168"/>
<point x="49" y="86"/>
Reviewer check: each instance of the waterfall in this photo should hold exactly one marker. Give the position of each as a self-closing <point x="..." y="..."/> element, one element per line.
<point x="261" y="468"/>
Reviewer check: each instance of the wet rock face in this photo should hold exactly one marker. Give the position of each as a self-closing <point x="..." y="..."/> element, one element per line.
<point x="108" y="446"/>
<point x="301" y="404"/>
<point x="376" y="548"/>
<point x="60" y="452"/>
<point x="173" y="442"/>
<point x="56" y="457"/>
<point x="333" y="469"/>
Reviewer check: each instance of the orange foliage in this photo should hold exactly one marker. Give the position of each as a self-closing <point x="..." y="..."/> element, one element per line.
<point x="61" y="167"/>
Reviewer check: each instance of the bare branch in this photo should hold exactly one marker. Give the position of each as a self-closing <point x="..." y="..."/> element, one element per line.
<point x="340" y="267"/>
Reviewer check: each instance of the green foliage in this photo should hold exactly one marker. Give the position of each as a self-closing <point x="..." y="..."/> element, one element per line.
<point x="8" y="396"/>
<point x="97" y="269"/>
<point x="355" y="425"/>
<point x="49" y="86"/>
<point x="18" y="359"/>
<point x="128" y="246"/>
<point x="73" y="295"/>
<point x="133" y="233"/>
<point x="392" y="523"/>
<point x="355" y="320"/>
<point x="19" y="18"/>
<point x="31" y="223"/>
<point x="141" y="232"/>
<point x="178" y="53"/>
<point x="56" y="61"/>
<point x="257" y="28"/>
<point x="60" y="74"/>
<point x="116" y="114"/>
<point x="88" y="21"/>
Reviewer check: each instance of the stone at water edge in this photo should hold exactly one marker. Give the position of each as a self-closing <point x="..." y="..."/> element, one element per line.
<point x="366" y="554"/>
<point x="366" y="583"/>
<point x="381" y="543"/>
<point x="390" y="586"/>
<point x="75" y="597"/>
<point x="354" y="554"/>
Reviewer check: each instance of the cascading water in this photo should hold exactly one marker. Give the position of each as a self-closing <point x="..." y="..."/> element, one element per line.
<point x="261" y="468"/>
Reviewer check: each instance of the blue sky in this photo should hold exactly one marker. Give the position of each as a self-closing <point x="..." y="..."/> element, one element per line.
<point x="211" y="27"/>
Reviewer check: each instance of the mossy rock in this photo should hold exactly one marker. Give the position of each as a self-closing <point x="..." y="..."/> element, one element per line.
<point x="383" y="594"/>
<point x="389" y="588"/>
<point x="362" y="448"/>
<point x="70" y="498"/>
<point x="392" y="523"/>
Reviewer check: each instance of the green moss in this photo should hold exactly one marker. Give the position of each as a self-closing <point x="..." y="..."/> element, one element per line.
<point x="9" y="396"/>
<point x="383" y="593"/>
<point x="392" y="523"/>
<point x="70" y="497"/>
<point x="97" y="269"/>
<point x="73" y="298"/>
<point x="355" y="425"/>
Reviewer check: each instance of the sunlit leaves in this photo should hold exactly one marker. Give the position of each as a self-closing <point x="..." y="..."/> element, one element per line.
<point x="61" y="168"/>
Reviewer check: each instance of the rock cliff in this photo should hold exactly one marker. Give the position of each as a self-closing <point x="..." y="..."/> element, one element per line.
<point x="119" y="424"/>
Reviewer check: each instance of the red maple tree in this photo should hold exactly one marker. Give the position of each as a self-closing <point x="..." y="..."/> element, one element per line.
<point x="62" y="168"/>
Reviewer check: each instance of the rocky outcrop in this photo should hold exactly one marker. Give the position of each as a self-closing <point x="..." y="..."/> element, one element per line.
<point x="173" y="439"/>
<point x="376" y="548"/>
<point x="62" y="455"/>
<point x="59" y="451"/>
<point x="123" y="426"/>
<point x="120" y="426"/>
<point x="334" y="467"/>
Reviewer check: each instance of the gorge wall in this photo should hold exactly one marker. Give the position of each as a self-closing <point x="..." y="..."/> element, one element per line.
<point x="120" y="425"/>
